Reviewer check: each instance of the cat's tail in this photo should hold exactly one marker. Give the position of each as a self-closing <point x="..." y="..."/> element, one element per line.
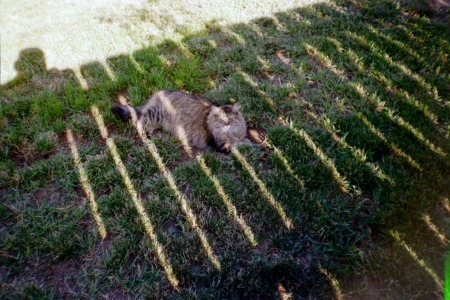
<point x="125" y="112"/>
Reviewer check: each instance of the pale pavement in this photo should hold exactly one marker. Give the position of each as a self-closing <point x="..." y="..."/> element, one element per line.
<point x="73" y="33"/>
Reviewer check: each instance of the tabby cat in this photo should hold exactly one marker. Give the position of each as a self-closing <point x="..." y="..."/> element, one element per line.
<point x="192" y="119"/>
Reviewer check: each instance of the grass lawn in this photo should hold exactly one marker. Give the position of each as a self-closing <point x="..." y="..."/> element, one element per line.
<point x="348" y="197"/>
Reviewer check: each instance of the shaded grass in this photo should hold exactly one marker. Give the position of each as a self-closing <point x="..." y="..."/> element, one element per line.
<point x="333" y="85"/>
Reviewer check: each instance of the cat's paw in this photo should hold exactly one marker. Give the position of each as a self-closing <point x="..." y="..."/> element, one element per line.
<point x="225" y="147"/>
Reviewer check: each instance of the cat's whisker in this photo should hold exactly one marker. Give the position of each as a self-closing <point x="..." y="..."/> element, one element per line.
<point x="263" y="189"/>
<point x="396" y="235"/>
<point x="145" y="220"/>
<point x="232" y="211"/>
<point x="85" y="184"/>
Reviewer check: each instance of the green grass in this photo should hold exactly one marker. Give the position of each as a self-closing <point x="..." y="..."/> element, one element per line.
<point x="354" y="98"/>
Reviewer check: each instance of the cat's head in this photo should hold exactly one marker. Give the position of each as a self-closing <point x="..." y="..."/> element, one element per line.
<point x="226" y="117"/>
<point x="227" y="124"/>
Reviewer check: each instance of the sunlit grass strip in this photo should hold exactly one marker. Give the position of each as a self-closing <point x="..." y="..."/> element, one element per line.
<point x="234" y="35"/>
<point x="264" y="62"/>
<point x="396" y="118"/>
<point x="388" y="84"/>
<point x="405" y="96"/>
<point x="325" y="60"/>
<point x="376" y="51"/>
<point x="83" y="83"/>
<point x="362" y="93"/>
<point x="227" y="201"/>
<point x="395" y="234"/>
<point x="148" y="227"/>
<point x="400" y="121"/>
<point x="446" y="204"/>
<point x="136" y="64"/>
<point x="340" y="180"/>
<point x="397" y="43"/>
<point x="356" y="153"/>
<point x="85" y="184"/>
<point x="394" y="148"/>
<point x="256" y="29"/>
<point x="334" y="283"/>
<point x="108" y="71"/>
<point x="344" y="186"/>
<point x="441" y="236"/>
<point x="263" y="189"/>
<point x="374" y="99"/>
<point x="192" y="219"/>
<point x="281" y="157"/>
<point x="413" y="36"/>
<point x="253" y="84"/>
<point x="284" y="295"/>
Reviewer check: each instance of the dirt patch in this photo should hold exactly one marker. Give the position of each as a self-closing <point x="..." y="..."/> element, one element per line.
<point x="442" y="8"/>
<point x="172" y="228"/>
<point x="52" y="196"/>
<point x="62" y="276"/>
<point x="284" y="59"/>
<point x="363" y="287"/>
<point x="24" y="153"/>
<point x="436" y="10"/>
<point x="276" y="79"/>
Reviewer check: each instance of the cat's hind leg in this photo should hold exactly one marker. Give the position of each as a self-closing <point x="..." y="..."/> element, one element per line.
<point x="145" y="127"/>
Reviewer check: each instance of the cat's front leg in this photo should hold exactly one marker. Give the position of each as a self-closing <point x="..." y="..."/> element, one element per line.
<point x="140" y="127"/>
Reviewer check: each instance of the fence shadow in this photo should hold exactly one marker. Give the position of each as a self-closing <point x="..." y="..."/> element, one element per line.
<point x="348" y="197"/>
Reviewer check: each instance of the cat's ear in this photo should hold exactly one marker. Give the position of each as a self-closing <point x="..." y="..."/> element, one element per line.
<point x="214" y="109"/>
<point x="236" y="107"/>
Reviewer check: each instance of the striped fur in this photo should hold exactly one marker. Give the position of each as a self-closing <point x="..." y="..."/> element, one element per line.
<point x="192" y="119"/>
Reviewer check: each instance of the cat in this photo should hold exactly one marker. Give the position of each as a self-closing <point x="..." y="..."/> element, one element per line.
<point x="195" y="121"/>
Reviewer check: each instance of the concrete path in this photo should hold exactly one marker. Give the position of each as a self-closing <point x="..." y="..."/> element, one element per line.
<point x="71" y="33"/>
